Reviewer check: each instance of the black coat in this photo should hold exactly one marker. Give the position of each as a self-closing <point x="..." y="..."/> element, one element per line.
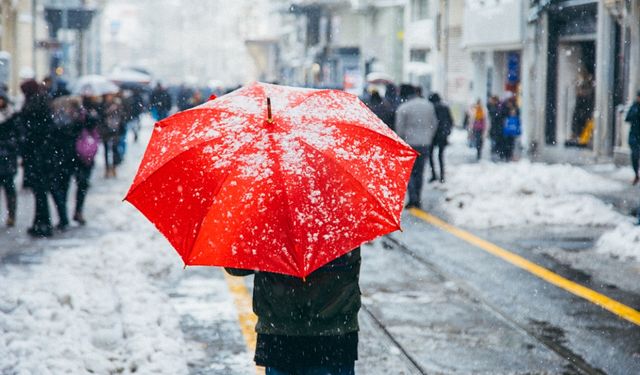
<point x="36" y="148"/>
<point x="633" y="118"/>
<point x="384" y="111"/>
<point x="497" y="117"/>
<point x="161" y="100"/>
<point x="445" y="124"/>
<point x="325" y="304"/>
<point x="9" y="147"/>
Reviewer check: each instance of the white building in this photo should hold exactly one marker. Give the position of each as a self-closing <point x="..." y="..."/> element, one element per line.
<point x="421" y="58"/>
<point x="454" y="63"/>
<point x="493" y="33"/>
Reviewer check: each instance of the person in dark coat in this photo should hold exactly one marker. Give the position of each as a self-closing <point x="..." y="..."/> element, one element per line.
<point x="184" y="99"/>
<point x="496" y="120"/>
<point x="308" y="326"/>
<point x="440" y="139"/>
<point x="66" y="115"/>
<point x="633" y="118"/>
<point x="392" y="97"/>
<point x="36" y="150"/>
<point x="160" y="102"/>
<point x="8" y="156"/>
<point x="382" y="109"/>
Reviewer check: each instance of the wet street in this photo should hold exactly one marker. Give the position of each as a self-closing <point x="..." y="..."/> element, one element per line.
<point x="434" y="302"/>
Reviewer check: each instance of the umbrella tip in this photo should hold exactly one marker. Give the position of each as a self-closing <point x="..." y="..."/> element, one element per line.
<point x="269" y="118"/>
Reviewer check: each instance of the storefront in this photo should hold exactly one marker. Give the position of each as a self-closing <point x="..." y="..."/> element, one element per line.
<point x="571" y="75"/>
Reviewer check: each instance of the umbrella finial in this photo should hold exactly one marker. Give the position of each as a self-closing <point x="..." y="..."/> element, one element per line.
<point x="269" y="118"/>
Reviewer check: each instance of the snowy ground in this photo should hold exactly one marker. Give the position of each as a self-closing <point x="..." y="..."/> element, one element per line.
<point x="98" y="305"/>
<point x="516" y="195"/>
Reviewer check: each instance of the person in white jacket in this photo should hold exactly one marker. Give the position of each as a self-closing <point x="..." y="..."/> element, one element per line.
<point x="416" y="123"/>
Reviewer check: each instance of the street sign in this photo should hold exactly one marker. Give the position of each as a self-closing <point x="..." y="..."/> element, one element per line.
<point x="49" y="44"/>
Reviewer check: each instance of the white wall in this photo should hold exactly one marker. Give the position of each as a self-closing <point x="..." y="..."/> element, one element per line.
<point x="491" y="23"/>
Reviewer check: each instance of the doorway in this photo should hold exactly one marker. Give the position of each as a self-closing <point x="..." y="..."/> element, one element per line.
<point x="575" y="92"/>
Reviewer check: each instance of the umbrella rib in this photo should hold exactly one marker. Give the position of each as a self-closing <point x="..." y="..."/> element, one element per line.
<point x="346" y="171"/>
<point x="311" y="95"/>
<point x="318" y="92"/>
<point x="380" y="134"/>
<point x="288" y="211"/>
<point x="177" y="156"/>
<point x="226" y="177"/>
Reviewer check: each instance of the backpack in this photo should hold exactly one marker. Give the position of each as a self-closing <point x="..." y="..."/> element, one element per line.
<point x="512" y="127"/>
<point x="87" y="146"/>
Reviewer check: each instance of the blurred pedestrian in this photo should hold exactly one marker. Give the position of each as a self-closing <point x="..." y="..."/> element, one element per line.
<point x="55" y="87"/>
<point x="382" y="108"/>
<point x="8" y="156"/>
<point x="37" y="152"/>
<point x="392" y="97"/>
<point x="479" y="123"/>
<point x="160" y="102"/>
<point x="416" y="123"/>
<point x="512" y="128"/>
<point x="308" y="326"/>
<point x="67" y="112"/>
<point x="86" y="147"/>
<point x="440" y="140"/>
<point x="633" y="118"/>
<point x="111" y="123"/>
<point x="133" y="107"/>
<point x="183" y="100"/>
<point x="496" y="116"/>
<point x="407" y="91"/>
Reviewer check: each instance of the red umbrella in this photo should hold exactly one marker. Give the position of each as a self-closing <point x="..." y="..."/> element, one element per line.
<point x="273" y="178"/>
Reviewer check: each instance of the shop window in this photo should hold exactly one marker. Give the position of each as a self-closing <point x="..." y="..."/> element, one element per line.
<point x="419" y="55"/>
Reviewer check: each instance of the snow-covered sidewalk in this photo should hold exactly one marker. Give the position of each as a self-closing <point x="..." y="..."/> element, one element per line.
<point x="99" y="305"/>
<point x="521" y="194"/>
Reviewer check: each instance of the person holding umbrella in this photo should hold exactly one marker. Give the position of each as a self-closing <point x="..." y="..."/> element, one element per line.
<point x="312" y="328"/>
<point x="288" y="193"/>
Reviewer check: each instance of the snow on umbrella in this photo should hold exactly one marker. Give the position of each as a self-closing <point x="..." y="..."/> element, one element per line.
<point x="273" y="178"/>
<point x="93" y="85"/>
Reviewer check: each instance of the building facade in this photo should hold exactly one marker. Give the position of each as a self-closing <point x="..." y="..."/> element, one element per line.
<point x="581" y="54"/>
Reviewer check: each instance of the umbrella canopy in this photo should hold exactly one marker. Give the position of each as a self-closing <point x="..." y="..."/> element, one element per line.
<point x="93" y="85"/>
<point x="273" y="178"/>
<point x="130" y="76"/>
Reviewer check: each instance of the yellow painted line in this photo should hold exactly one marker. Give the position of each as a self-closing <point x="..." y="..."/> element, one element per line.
<point x="246" y="317"/>
<point x="592" y="296"/>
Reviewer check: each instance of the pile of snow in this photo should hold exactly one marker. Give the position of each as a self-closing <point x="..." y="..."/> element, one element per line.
<point x="488" y="195"/>
<point x="94" y="305"/>
<point x="623" y="241"/>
